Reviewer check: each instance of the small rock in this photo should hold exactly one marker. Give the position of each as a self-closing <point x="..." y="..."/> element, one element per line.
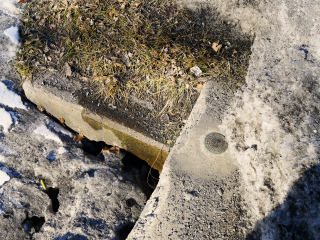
<point x="126" y="59"/>
<point x="196" y="71"/>
<point x="165" y="118"/>
<point x="67" y="70"/>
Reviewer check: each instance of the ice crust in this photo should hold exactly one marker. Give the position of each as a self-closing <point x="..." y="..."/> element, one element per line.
<point x="9" y="7"/>
<point x="57" y="128"/>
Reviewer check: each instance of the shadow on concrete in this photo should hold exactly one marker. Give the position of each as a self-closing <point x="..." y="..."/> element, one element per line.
<point x="299" y="216"/>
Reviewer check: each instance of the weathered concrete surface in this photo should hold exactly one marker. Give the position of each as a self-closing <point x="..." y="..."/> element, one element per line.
<point x="272" y="128"/>
<point x="57" y="95"/>
<point x="92" y="191"/>
<point x="198" y="192"/>
<point x="278" y="113"/>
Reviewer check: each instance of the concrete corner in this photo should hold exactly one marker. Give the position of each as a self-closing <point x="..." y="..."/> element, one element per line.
<point x="198" y="190"/>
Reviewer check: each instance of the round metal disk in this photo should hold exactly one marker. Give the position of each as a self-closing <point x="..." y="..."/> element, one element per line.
<point x="216" y="143"/>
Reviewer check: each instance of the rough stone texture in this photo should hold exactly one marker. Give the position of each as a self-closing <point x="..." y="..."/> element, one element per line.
<point x="57" y="95"/>
<point x="240" y="14"/>
<point x="278" y="113"/>
<point x="272" y="128"/>
<point x="92" y="190"/>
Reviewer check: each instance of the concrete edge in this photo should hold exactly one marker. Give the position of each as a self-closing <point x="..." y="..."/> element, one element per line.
<point x="156" y="211"/>
<point x="98" y="128"/>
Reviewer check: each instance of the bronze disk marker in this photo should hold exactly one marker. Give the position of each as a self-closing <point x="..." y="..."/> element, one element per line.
<point x="215" y="143"/>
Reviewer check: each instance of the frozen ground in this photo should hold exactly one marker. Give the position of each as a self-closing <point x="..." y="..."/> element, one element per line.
<point x="269" y="188"/>
<point x="272" y="129"/>
<point x="273" y="125"/>
<point x="49" y="187"/>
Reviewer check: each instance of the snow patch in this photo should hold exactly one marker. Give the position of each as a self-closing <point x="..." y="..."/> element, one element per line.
<point x="47" y="134"/>
<point x="10" y="98"/>
<point x="9" y="7"/>
<point x="13" y="34"/>
<point x="5" y="120"/>
<point x="3" y="177"/>
<point x="58" y="128"/>
<point x="61" y="150"/>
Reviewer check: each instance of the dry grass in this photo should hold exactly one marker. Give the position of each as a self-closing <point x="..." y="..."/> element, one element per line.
<point x="145" y="47"/>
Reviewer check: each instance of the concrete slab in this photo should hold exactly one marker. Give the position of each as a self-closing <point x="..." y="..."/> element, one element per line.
<point x="57" y="95"/>
<point x="198" y="192"/>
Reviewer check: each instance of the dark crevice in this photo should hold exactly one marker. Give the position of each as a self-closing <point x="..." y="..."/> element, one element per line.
<point x="134" y="169"/>
<point x="124" y="230"/>
<point x="92" y="147"/>
<point x="138" y="171"/>
<point x="131" y="202"/>
<point x="33" y="222"/>
<point x="53" y="195"/>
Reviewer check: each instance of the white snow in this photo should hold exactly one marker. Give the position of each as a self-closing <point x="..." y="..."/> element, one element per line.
<point x="9" y="7"/>
<point x="61" y="150"/>
<point x="5" y="120"/>
<point x="13" y="34"/>
<point x="58" y="128"/>
<point x="196" y="71"/>
<point x="10" y="98"/>
<point x="14" y="118"/>
<point x="3" y="177"/>
<point x="47" y="134"/>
